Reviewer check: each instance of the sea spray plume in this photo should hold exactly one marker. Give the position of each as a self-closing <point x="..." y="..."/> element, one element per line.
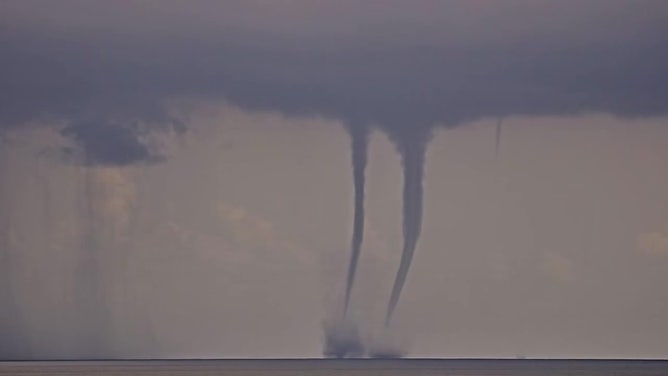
<point x="359" y="137"/>
<point x="412" y="147"/>
<point x="342" y="340"/>
<point x="387" y="345"/>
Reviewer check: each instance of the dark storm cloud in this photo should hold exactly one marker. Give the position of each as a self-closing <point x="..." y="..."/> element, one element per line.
<point x="396" y="70"/>
<point x="107" y="143"/>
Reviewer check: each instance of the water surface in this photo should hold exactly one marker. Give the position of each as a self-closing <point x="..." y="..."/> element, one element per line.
<point x="358" y="367"/>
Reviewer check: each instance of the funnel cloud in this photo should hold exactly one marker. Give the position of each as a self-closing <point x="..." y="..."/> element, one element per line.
<point x="359" y="143"/>
<point x="413" y="151"/>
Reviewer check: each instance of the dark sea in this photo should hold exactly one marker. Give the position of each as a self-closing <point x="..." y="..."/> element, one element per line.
<point x="357" y="367"/>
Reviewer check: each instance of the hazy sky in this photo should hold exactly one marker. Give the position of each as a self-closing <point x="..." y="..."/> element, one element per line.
<point x="200" y="149"/>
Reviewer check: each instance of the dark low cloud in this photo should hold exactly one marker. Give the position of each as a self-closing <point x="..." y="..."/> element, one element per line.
<point x="105" y="143"/>
<point x="436" y="75"/>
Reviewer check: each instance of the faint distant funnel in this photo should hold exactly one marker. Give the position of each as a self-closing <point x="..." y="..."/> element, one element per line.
<point x="497" y="143"/>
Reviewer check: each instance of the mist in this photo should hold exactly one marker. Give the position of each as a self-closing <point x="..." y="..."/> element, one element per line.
<point x="151" y="154"/>
<point x="204" y="261"/>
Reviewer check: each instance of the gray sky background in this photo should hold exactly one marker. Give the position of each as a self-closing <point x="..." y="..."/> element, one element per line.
<point x="219" y="168"/>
